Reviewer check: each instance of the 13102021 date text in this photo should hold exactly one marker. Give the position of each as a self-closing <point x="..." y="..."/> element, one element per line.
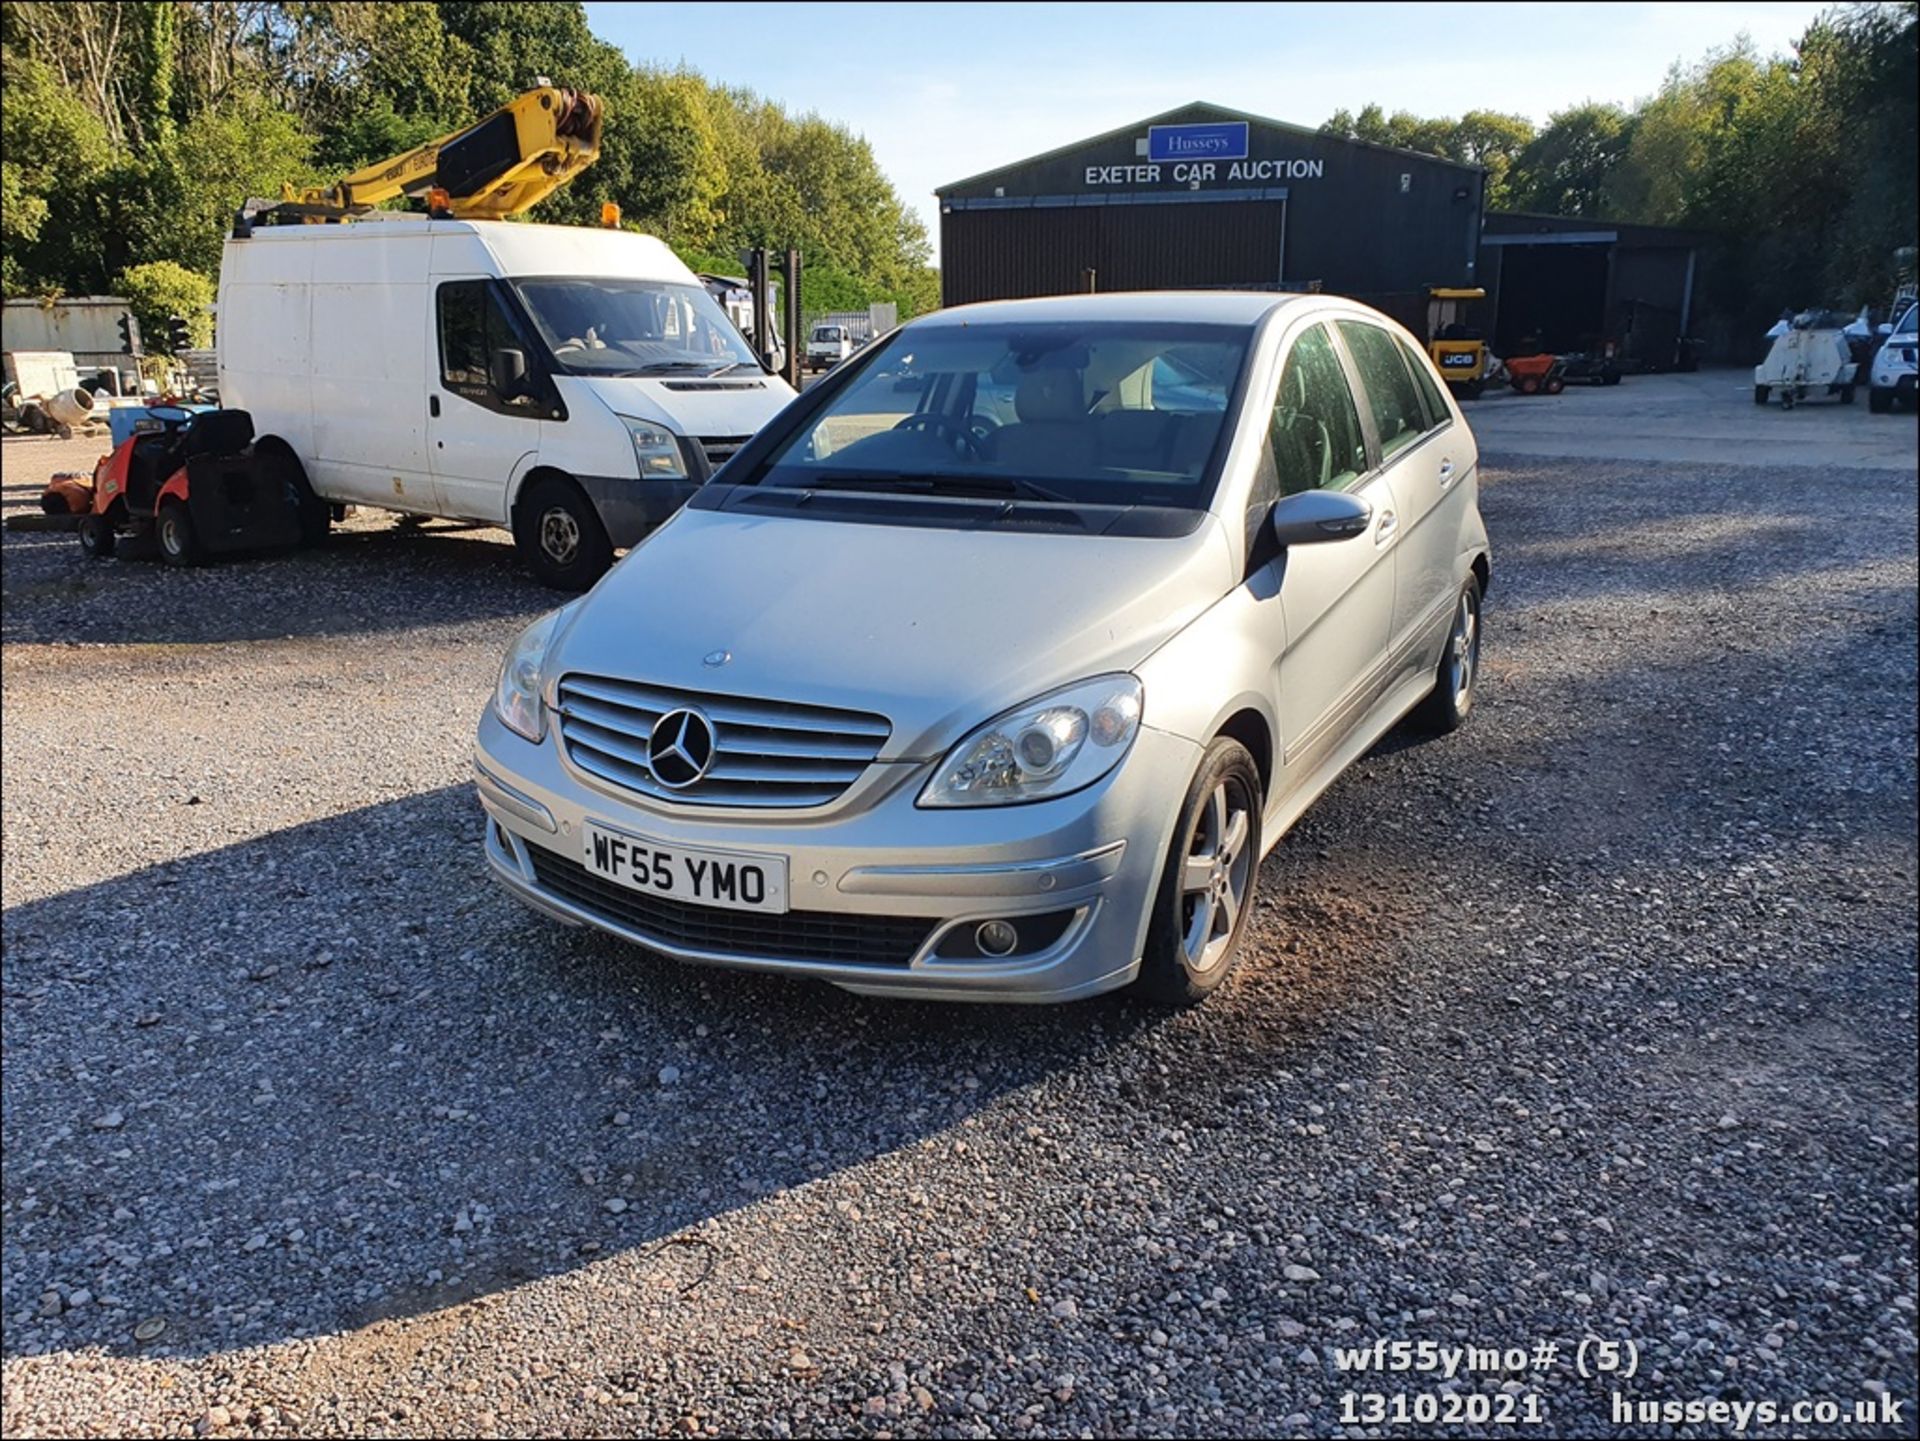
<point x="1442" y="1408"/>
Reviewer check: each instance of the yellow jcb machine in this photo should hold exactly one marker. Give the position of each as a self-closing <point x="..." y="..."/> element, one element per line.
<point x="505" y="164"/>
<point x="1459" y="351"/>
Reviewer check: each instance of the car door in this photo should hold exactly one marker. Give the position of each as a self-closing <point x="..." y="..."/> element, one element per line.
<point x="478" y="438"/>
<point x="1421" y="453"/>
<point x="1337" y="598"/>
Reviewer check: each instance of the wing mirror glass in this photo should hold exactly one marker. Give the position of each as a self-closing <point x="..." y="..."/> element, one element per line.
<point x="508" y="372"/>
<point x="1314" y="516"/>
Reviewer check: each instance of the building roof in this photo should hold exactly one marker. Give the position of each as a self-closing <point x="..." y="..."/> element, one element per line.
<point x="1196" y="110"/>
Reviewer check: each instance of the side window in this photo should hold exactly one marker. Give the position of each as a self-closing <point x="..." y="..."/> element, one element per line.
<point x="1430" y="396"/>
<point x="472" y="326"/>
<point x="1398" y="413"/>
<point x="1315" y="431"/>
<point x="463" y="335"/>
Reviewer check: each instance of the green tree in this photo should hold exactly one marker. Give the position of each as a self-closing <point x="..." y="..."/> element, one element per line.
<point x="159" y="290"/>
<point x="1566" y="167"/>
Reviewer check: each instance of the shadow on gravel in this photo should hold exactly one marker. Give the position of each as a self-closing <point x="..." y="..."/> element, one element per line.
<point x="366" y="579"/>
<point x="333" y="1075"/>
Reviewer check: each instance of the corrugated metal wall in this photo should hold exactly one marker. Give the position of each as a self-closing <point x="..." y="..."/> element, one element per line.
<point x="996" y="254"/>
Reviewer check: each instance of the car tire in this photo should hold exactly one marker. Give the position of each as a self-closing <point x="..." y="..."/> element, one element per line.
<point x="560" y="536"/>
<point x="1760" y="394"/>
<point x="1447" y="707"/>
<point x="1201" y="909"/>
<point x="1554" y="386"/>
<point x="1879" y="399"/>
<point x="173" y="528"/>
<point x="96" y="537"/>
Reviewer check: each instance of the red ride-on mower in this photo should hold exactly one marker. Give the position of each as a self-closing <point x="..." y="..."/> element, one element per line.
<point x="198" y="486"/>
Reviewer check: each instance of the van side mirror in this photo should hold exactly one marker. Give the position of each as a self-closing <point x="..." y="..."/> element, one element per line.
<point x="1885" y="327"/>
<point x="508" y="372"/>
<point x="1314" y="516"/>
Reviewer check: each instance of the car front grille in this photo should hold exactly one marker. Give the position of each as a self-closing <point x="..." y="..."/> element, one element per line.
<point x="719" y="449"/>
<point x="765" y="753"/>
<point x="795" y="936"/>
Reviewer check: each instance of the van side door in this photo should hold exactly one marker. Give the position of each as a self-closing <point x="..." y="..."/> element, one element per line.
<point x="1427" y="454"/>
<point x="482" y="432"/>
<point x="1337" y="599"/>
<point x="369" y="438"/>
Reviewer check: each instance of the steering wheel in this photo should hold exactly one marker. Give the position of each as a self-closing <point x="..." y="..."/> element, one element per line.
<point x="982" y="427"/>
<point x="180" y="414"/>
<point x="963" y="440"/>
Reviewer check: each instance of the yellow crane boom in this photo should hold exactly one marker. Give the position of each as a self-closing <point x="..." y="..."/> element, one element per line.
<point x="505" y="164"/>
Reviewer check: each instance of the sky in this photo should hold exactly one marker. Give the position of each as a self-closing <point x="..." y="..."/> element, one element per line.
<point x="943" y="91"/>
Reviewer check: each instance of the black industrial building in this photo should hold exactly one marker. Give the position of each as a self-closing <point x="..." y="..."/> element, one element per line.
<point x="1204" y="196"/>
<point x="1560" y="283"/>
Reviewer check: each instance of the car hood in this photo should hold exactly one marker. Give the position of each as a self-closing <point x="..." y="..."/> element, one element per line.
<point x="937" y="629"/>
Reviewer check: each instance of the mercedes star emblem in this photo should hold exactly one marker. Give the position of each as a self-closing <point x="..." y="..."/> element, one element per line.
<point x="680" y="749"/>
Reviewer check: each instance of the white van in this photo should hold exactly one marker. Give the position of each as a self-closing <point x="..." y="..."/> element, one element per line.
<point x="573" y="384"/>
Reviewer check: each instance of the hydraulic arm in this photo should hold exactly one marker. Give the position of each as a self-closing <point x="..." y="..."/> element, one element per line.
<point x="503" y="165"/>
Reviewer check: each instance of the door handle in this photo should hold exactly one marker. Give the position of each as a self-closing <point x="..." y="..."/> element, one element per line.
<point x="433" y="405"/>
<point x="1446" y="473"/>
<point x="1389" y="523"/>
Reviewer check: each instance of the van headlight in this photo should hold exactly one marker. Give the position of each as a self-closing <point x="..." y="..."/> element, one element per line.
<point x="657" y="450"/>
<point x="516" y="698"/>
<point x="1062" y="742"/>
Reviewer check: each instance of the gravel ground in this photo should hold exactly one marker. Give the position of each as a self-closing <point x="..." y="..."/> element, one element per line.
<point x="1597" y="1019"/>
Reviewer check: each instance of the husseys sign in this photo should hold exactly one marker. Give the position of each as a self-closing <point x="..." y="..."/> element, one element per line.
<point x="1197" y="155"/>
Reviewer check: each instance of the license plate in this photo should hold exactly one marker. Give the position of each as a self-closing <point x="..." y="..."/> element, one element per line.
<point x="728" y="879"/>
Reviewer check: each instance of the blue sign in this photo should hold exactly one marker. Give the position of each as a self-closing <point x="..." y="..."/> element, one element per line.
<point x="1225" y="140"/>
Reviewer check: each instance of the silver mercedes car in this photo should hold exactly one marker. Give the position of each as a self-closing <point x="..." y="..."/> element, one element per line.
<point x="994" y="665"/>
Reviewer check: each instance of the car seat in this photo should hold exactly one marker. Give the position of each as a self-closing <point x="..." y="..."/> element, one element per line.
<point x="1053" y="435"/>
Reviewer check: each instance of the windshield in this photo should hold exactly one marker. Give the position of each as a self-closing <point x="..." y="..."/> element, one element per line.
<point x="1109" y="413"/>
<point x="827" y="332"/>
<point x="619" y="326"/>
<point x="1907" y="321"/>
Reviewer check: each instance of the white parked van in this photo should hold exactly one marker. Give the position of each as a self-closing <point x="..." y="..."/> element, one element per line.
<point x="573" y="384"/>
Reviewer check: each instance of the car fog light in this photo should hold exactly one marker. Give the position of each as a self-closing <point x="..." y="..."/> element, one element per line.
<point x="996" y="938"/>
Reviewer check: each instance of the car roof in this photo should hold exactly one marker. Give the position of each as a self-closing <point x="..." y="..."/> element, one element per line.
<point x="1194" y="307"/>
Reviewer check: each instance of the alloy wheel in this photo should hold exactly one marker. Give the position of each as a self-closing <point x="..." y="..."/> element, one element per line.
<point x="1214" y="881"/>
<point x="1463" y="650"/>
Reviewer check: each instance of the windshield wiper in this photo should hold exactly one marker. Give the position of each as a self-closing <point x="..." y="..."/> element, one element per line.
<point x="985" y="487"/>
<point x="732" y="366"/>
<point x="657" y="366"/>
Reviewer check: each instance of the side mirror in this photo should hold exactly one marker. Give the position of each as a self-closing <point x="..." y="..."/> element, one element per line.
<point x="1885" y="327"/>
<point x="508" y="372"/>
<point x="1314" y="516"/>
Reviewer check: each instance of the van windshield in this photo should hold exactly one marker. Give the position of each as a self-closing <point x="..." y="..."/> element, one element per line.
<point x="620" y="326"/>
<point x="1106" y="413"/>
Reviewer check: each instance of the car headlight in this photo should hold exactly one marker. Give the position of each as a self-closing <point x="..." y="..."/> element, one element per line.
<point x="516" y="699"/>
<point x="1062" y="742"/>
<point x="657" y="449"/>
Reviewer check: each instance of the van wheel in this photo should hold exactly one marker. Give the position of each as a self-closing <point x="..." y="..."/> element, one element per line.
<point x="559" y="535"/>
<point x="179" y="546"/>
<point x="1761" y="393"/>
<point x="1206" y="892"/>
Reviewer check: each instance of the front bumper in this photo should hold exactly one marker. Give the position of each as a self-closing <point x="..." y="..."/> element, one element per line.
<point x="871" y="861"/>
